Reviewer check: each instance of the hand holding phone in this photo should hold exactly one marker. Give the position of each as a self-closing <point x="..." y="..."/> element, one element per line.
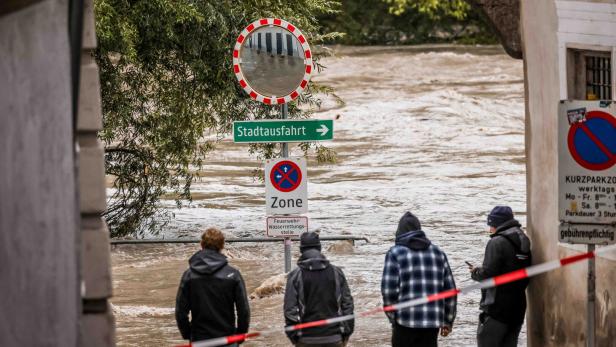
<point x="470" y="265"/>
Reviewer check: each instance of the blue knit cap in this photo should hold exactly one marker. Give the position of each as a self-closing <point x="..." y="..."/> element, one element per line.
<point x="499" y="215"/>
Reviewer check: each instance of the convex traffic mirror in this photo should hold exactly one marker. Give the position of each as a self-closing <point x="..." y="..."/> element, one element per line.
<point x="272" y="61"/>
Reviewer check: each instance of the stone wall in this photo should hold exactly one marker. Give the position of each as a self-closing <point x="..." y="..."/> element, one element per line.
<point x="39" y="279"/>
<point x="97" y="328"/>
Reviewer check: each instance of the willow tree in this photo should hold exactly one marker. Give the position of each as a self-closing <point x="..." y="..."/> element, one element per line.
<point x="169" y="93"/>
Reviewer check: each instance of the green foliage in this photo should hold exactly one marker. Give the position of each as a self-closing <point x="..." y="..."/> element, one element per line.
<point x="436" y="9"/>
<point x="385" y="22"/>
<point x="169" y="93"/>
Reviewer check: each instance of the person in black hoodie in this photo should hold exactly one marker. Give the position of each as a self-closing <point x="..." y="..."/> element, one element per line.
<point x="317" y="290"/>
<point x="502" y="307"/>
<point x="212" y="291"/>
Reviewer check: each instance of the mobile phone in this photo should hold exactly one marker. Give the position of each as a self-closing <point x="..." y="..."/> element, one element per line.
<point x="469" y="264"/>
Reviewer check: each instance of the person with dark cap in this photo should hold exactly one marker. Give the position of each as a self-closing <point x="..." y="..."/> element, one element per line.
<point x="415" y="268"/>
<point x="212" y="291"/>
<point x="502" y="307"/>
<point x="317" y="290"/>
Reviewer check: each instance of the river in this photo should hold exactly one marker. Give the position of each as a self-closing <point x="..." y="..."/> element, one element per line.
<point x="437" y="130"/>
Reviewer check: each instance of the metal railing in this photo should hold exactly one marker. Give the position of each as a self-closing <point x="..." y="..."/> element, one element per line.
<point x="235" y="240"/>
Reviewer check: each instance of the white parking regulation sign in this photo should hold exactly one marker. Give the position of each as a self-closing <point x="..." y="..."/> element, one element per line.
<point x="286" y="190"/>
<point x="587" y="172"/>
<point x="285" y="226"/>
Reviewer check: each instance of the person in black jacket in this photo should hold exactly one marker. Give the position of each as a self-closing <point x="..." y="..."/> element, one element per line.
<point x="212" y="291"/>
<point x="317" y="290"/>
<point x="502" y="307"/>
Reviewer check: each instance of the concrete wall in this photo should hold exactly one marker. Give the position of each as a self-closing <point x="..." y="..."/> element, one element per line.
<point x="557" y="301"/>
<point x="97" y="328"/>
<point x="55" y="279"/>
<point x="39" y="280"/>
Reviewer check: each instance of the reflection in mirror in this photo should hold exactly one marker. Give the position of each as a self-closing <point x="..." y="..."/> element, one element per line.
<point x="272" y="61"/>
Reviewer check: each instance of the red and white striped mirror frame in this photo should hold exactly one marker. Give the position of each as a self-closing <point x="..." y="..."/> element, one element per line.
<point x="308" y="68"/>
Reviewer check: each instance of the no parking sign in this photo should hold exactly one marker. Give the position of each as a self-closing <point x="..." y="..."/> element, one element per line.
<point x="286" y="190"/>
<point x="587" y="172"/>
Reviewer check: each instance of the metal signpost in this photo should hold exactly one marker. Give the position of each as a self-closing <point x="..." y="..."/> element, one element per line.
<point x="276" y="72"/>
<point x="587" y="182"/>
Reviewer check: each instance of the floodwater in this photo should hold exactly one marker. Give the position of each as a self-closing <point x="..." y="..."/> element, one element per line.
<point x="435" y="130"/>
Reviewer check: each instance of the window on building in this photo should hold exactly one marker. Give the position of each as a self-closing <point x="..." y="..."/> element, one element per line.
<point x="589" y="75"/>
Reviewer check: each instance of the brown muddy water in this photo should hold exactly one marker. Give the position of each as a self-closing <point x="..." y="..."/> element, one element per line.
<point x="435" y="130"/>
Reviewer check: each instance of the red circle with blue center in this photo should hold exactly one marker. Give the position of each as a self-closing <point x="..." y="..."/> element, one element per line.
<point x="592" y="143"/>
<point x="286" y="176"/>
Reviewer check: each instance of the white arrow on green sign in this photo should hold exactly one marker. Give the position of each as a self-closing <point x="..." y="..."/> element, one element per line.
<point x="288" y="130"/>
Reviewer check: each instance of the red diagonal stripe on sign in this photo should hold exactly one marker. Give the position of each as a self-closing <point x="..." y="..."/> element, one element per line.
<point x="596" y="140"/>
<point x="285" y="176"/>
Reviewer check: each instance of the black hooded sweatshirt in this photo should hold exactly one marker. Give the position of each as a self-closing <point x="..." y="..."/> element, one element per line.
<point x="508" y="250"/>
<point x="211" y="291"/>
<point x="317" y="290"/>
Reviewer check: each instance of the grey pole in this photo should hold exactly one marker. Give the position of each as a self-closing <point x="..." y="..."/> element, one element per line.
<point x="590" y="329"/>
<point x="285" y="146"/>
<point x="287" y="240"/>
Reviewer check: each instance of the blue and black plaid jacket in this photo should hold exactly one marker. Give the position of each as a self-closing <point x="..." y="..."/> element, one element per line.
<point x="414" y="273"/>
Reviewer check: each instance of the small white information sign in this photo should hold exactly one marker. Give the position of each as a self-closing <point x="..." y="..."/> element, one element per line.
<point x="587" y="171"/>
<point x="587" y="233"/>
<point x="286" y="188"/>
<point x="286" y="226"/>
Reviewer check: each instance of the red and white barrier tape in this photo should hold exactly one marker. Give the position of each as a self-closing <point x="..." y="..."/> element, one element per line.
<point x="513" y="276"/>
<point x="221" y="341"/>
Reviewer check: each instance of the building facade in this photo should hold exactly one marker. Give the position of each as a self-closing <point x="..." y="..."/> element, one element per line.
<point x="569" y="48"/>
<point x="275" y="41"/>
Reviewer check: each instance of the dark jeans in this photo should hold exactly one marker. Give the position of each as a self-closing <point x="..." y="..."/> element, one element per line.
<point x="492" y="333"/>
<point x="415" y="337"/>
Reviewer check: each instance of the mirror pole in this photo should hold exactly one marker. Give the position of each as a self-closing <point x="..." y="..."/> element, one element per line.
<point x="285" y="146"/>
<point x="287" y="240"/>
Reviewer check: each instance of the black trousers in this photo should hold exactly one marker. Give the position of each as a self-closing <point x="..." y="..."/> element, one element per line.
<point x="414" y="337"/>
<point x="493" y="333"/>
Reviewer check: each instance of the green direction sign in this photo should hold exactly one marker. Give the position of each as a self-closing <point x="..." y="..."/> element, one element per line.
<point x="301" y="130"/>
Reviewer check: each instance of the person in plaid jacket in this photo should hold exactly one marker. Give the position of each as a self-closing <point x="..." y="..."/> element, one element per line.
<point x="414" y="268"/>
